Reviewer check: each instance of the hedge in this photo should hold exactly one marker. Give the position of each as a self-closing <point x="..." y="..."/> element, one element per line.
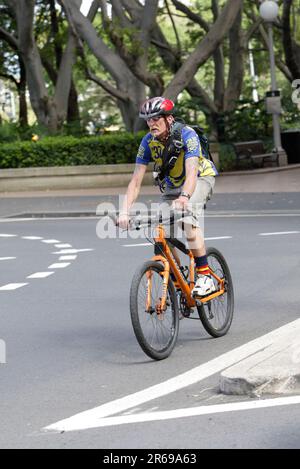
<point x="71" y="151"/>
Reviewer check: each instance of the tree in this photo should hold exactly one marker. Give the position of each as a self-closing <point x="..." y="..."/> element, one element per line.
<point x="12" y="67"/>
<point x="51" y="111"/>
<point x="131" y="30"/>
<point x="226" y="90"/>
<point x="290" y="44"/>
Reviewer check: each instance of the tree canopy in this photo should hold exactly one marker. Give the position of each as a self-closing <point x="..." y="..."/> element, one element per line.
<point x="194" y="52"/>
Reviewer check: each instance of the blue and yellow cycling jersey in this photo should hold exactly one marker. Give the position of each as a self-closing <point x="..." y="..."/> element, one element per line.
<point x="152" y="149"/>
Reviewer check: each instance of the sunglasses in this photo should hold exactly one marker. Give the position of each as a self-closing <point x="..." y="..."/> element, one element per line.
<point x="154" y="119"/>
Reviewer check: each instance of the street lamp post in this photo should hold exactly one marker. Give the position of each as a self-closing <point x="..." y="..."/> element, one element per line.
<point x="269" y="12"/>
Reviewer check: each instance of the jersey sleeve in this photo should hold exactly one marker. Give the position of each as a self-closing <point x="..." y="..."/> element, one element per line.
<point x="192" y="146"/>
<point x="144" y="153"/>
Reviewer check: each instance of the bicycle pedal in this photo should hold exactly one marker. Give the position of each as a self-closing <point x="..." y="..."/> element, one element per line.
<point x="204" y="296"/>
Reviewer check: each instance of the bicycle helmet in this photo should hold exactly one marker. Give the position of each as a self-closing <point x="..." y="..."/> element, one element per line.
<point x="158" y="106"/>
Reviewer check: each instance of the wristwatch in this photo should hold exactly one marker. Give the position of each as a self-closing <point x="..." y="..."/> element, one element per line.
<point x="185" y="194"/>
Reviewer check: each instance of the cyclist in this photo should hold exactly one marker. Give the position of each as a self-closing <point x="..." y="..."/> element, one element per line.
<point x="188" y="184"/>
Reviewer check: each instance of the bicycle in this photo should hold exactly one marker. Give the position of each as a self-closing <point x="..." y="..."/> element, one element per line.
<point x="161" y="290"/>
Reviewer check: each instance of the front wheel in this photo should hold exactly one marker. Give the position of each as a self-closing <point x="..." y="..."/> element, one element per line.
<point x="216" y="315"/>
<point x="156" y="331"/>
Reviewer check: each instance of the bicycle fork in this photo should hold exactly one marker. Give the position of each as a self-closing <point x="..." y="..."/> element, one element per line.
<point x="161" y="305"/>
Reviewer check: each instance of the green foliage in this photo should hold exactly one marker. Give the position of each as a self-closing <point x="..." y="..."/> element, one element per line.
<point x="71" y="151"/>
<point x="8" y="132"/>
<point x="249" y="121"/>
<point x="227" y="157"/>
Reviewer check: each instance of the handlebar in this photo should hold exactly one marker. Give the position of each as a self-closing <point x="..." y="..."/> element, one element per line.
<point x="137" y="221"/>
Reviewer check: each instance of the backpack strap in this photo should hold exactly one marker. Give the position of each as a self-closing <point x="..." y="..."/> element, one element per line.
<point x="170" y="154"/>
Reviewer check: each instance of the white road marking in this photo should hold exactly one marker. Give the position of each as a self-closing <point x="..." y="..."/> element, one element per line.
<point x="12" y="286"/>
<point x="63" y="245"/>
<point x="194" y="411"/>
<point x="72" y="251"/>
<point x="218" y="237"/>
<point x="150" y="244"/>
<point x="279" y="233"/>
<point x="40" y="275"/>
<point x="93" y="418"/>
<point x="67" y="258"/>
<point x="50" y="241"/>
<point x="61" y="265"/>
<point x="137" y="245"/>
<point x="250" y="215"/>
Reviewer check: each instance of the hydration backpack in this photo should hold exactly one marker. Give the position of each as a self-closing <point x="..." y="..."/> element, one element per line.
<point x="173" y="149"/>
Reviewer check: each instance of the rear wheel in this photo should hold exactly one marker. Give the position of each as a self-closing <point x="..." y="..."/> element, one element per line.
<point x="155" y="331"/>
<point x="216" y="315"/>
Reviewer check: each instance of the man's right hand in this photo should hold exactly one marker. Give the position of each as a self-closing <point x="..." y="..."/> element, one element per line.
<point x="123" y="221"/>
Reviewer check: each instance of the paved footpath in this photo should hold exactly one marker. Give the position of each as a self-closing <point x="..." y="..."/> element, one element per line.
<point x="257" y="190"/>
<point x="274" y="369"/>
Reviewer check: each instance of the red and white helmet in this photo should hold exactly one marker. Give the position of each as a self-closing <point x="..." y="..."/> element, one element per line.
<point x="158" y="106"/>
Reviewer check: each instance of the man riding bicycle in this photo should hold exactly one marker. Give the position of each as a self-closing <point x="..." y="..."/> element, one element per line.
<point x="188" y="182"/>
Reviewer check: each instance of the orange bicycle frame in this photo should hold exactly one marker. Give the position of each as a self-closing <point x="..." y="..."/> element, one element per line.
<point x="170" y="265"/>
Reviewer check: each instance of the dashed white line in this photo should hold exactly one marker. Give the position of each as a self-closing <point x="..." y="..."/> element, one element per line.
<point x="150" y="244"/>
<point x="71" y="254"/>
<point x="12" y="286"/>
<point x="40" y="275"/>
<point x="61" y="265"/>
<point x="63" y="245"/>
<point x="279" y="233"/>
<point x="218" y="237"/>
<point x="137" y="245"/>
<point x="67" y="258"/>
<point x="72" y="251"/>
<point x="50" y="241"/>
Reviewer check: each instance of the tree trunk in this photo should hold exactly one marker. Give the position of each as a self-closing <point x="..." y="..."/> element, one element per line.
<point x="236" y="69"/>
<point x="204" y="49"/>
<point x="291" y="48"/>
<point x="73" y="108"/>
<point x="129" y="91"/>
<point x="23" y="111"/>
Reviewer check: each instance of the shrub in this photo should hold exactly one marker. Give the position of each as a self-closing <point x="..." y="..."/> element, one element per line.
<point x="71" y="151"/>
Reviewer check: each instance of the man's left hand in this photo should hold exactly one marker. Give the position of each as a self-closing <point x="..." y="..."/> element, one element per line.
<point x="181" y="204"/>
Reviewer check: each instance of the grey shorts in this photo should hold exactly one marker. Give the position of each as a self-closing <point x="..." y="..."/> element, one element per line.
<point x="202" y="193"/>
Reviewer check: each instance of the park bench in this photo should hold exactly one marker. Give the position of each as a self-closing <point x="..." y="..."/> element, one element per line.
<point x="254" y="151"/>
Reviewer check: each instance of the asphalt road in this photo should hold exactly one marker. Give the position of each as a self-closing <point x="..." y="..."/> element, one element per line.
<point x="70" y="345"/>
<point x="256" y="202"/>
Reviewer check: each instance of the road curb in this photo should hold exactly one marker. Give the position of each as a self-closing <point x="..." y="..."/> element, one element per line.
<point x="260" y="170"/>
<point x="273" y="370"/>
<point x="24" y="180"/>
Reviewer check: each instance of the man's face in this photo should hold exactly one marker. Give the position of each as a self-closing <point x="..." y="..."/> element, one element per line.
<point x="158" y="126"/>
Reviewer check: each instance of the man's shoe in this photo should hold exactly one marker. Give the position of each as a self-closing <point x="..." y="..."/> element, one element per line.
<point x="204" y="286"/>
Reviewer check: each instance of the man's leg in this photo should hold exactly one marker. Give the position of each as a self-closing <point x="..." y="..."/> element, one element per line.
<point x="195" y="236"/>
